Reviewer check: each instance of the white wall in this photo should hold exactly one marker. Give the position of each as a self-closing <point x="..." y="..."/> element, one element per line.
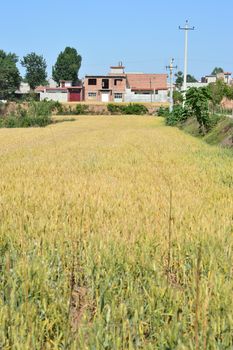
<point x="54" y="96"/>
<point x="162" y="96"/>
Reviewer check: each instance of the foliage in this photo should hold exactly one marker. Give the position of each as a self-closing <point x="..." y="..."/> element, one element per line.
<point x="191" y="79"/>
<point x="130" y="109"/>
<point x="114" y="108"/>
<point x="67" y="65"/>
<point x="2" y="108"/>
<point x="197" y="101"/>
<point x="9" y="75"/>
<point x="219" y="90"/>
<point x="36" y="114"/>
<point x="177" y="97"/>
<point x="217" y="70"/>
<point x="35" y="69"/>
<point x="179" y="115"/>
<point x="180" y="79"/>
<point x="163" y="112"/>
<point x="85" y="213"/>
<point x="81" y="109"/>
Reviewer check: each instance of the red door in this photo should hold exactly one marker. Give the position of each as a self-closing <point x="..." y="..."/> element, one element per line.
<point x="75" y="95"/>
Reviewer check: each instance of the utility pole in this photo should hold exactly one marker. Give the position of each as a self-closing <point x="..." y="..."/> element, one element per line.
<point x="171" y="68"/>
<point x="186" y="29"/>
<point x="150" y="92"/>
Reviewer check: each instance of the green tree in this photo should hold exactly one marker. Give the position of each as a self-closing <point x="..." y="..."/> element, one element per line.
<point x="219" y="90"/>
<point x="217" y="70"/>
<point x="9" y="75"/>
<point x="197" y="100"/>
<point x="177" y="97"/>
<point x="180" y="79"/>
<point x="35" y="69"/>
<point x="191" y="79"/>
<point x="67" y="65"/>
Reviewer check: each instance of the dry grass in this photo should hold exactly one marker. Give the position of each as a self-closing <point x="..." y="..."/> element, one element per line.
<point x="87" y="229"/>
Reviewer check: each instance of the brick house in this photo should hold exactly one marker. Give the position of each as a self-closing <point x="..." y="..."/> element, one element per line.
<point x="143" y="87"/>
<point x="106" y="88"/>
<point x="119" y="86"/>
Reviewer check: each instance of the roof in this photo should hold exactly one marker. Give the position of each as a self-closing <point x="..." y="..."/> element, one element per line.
<point x="139" y="81"/>
<point x="105" y="76"/>
<point x="117" y="67"/>
<point x="74" y="87"/>
<point x="148" y="89"/>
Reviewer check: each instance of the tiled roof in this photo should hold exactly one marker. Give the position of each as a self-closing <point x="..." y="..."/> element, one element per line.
<point x="139" y="81"/>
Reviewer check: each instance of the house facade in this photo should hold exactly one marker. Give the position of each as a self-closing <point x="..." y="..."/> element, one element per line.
<point x="118" y="86"/>
<point x="66" y="92"/>
<point x="106" y="88"/>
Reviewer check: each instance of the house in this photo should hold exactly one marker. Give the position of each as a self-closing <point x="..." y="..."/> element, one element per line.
<point x="118" y="86"/>
<point x="106" y="88"/>
<point x="143" y="87"/>
<point x="66" y="92"/>
<point x="226" y="77"/>
<point x="208" y="79"/>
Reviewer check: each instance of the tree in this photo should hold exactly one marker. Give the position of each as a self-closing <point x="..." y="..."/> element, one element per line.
<point x="219" y="90"/>
<point x="35" y="69"/>
<point x="217" y="70"/>
<point x="177" y="97"/>
<point x="180" y="79"/>
<point x="197" y="101"/>
<point x="9" y="75"/>
<point x="191" y="79"/>
<point x="67" y="65"/>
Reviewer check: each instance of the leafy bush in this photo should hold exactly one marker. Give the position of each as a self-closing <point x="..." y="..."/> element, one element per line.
<point x="115" y="108"/>
<point x="136" y="108"/>
<point x="2" y="108"/>
<point x="38" y="114"/>
<point x="81" y="109"/>
<point x="163" y="112"/>
<point x="179" y="115"/>
<point x="197" y="101"/>
<point x="130" y="109"/>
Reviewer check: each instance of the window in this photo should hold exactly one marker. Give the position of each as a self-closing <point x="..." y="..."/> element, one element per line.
<point x="92" y="81"/>
<point x="116" y="81"/>
<point x="91" y="94"/>
<point x="118" y="95"/>
<point x="105" y="83"/>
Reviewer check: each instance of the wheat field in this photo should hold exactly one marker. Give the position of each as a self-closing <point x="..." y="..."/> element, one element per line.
<point x="116" y="233"/>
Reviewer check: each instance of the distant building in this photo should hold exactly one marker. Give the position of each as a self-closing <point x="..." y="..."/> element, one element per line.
<point x="66" y="92"/>
<point x="118" y="86"/>
<point x="226" y="77"/>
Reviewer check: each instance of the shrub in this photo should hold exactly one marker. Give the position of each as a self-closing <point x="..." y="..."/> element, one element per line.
<point x="81" y="109"/>
<point x="2" y="108"/>
<point x="38" y="115"/>
<point x="179" y="115"/>
<point x="115" y="108"/>
<point x="136" y="108"/>
<point x="197" y="101"/>
<point x="132" y="108"/>
<point x="163" y="112"/>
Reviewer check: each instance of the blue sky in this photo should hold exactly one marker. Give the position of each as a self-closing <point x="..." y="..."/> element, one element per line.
<point x="143" y="34"/>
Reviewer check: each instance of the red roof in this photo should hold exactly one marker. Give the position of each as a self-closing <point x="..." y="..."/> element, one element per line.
<point x="140" y="81"/>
